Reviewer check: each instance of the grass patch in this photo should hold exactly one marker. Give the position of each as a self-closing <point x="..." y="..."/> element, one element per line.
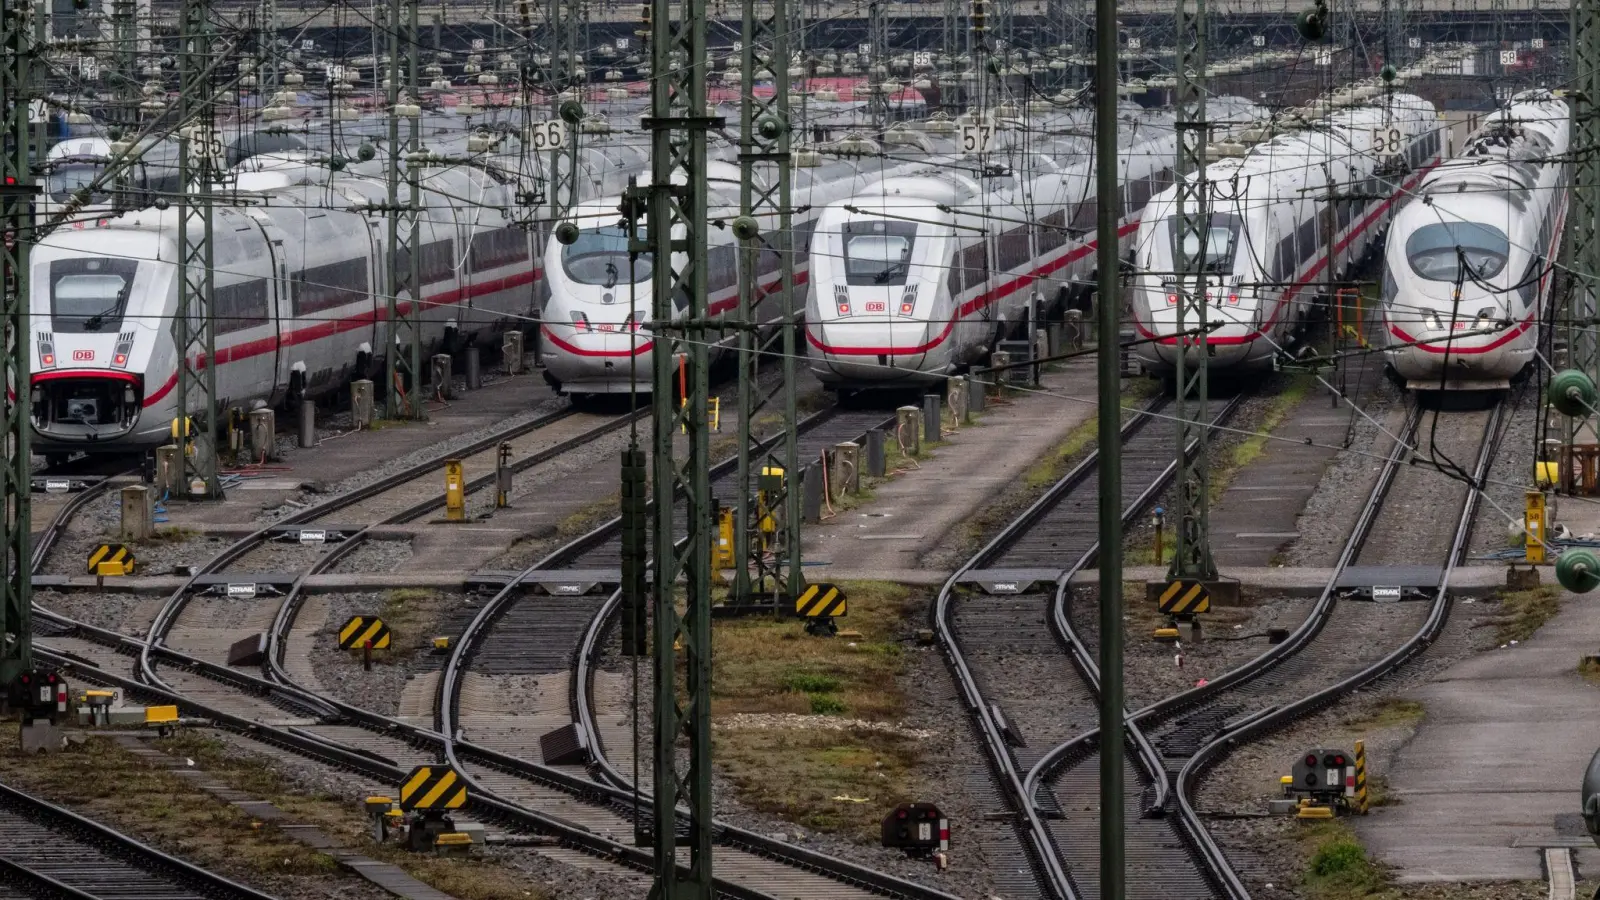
<point x="1391" y="713"/>
<point x="840" y="782"/>
<point x="171" y="534"/>
<point x="1589" y="668"/>
<point x="771" y="665"/>
<point x="132" y="795"/>
<point x="1337" y="867"/>
<point x="412" y="615"/>
<point x="768" y="665"/>
<point x="344" y="820"/>
<point x="1523" y="612"/>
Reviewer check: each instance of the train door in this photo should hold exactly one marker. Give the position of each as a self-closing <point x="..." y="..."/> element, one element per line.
<point x="246" y="336"/>
<point x="277" y="306"/>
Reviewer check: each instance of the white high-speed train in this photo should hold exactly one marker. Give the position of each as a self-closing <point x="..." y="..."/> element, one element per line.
<point x="593" y="332"/>
<point x="1271" y="228"/>
<point x="1470" y="260"/>
<point x="301" y="271"/>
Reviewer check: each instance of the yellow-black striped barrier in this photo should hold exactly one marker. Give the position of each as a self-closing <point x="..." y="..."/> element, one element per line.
<point x="433" y="787"/>
<point x="1360" y="799"/>
<point x="360" y="629"/>
<point x="819" y="601"/>
<point x="1184" y="597"/>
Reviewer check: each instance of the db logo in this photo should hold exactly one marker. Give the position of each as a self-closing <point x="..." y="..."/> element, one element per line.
<point x="874" y="306"/>
<point x="82" y="355"/>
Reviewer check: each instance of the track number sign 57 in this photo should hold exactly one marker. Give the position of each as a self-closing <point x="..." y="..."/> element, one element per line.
<point x="551" y="135"/>
<point x="975" y="137"/>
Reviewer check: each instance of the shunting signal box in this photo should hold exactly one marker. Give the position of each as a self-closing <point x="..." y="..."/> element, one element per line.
<point x="919" y="829"/>
<point x="1324" y="776"/>
<point x="39" y="695"/>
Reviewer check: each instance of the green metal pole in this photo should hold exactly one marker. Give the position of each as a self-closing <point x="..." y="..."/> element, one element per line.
<point x="1191" y="546"/>
<point x="1112" y="862"/>
<point x="16" y="240"/>
<point x="678" y="126"/>
<point x="194" y="328"/>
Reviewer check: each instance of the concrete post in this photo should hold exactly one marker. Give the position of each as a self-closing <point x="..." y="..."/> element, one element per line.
<point x="443" y="380"/>
<point x="166" y="469"/>
<point x="361" y="403"/>
<point x="511" y="348"/>
<point x="138" y="514"/>
<point x="932" y="410"/>
<point x="1052" y="337"/>
<point x="847" y="467"/>
<point x="877" y="464"/>
<point x="907" y="430"/>
<point x="1074" y="328"/>
<point x="811" y="494"/>
<point x="474" y="368"/>
<point x="977" y="395"/>
<point x="308" y="424"/>
<point x="263" y="434"/>
<point x="999" y="378"/>
<point x="957" y="394"/>
<point x="1041" y="349"/>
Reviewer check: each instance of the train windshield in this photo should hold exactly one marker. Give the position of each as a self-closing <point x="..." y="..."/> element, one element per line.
<point x="89" y="295"/>
<point x="600" y="256"/>
<point x="1221" y="237"/>
<point x="878" y="252"/>
<point x="1457" y="251"/>
<point x="64" y="178"/>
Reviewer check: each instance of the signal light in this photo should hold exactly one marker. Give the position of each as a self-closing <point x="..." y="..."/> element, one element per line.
<point x="1311" y="759"/>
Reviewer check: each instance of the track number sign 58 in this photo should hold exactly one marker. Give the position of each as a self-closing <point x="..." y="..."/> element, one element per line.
<point x="975" y="137"/>
<point x="551" y="135"/>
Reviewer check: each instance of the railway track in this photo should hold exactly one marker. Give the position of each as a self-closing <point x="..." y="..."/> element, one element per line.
<point x="1002" y="646"/>
<point x="50" y="852"/>
<point x="541" y="636"/>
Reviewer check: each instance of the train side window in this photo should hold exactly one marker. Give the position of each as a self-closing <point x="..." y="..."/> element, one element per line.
<point x="802" y="240"/>
<point x="975" y="262"/>
<point x="1012" y="249"/>
<point x="1086" y="214"/>
<point x="953" y="280"/>
<point x="1286" y="260"/>
<point x="495" y="249"/>
<point x="241" y="306"/>
<point x="722" y="268"/>
<point x="325" y="287"/>
<point x="1306" y="248"/>
<point x="1051" y="231"/>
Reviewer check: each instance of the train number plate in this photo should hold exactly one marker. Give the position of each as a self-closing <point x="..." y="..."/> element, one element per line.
<point x="876" y="306"/>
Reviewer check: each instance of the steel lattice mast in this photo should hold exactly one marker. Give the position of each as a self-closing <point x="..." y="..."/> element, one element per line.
<point x="1192" y="545"/>
<point x="404" y="350"/>
<point x="16" y="239"/>
<point x="1583" y="222"/>
<point x="677" y="241"/>
<point x="772" y="553"/>
<point x="194" y="328"/>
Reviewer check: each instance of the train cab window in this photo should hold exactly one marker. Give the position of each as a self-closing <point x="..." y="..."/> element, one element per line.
<point x="89" y="295"/>
<point x="878" y="252"/>
<point x="1221" y="237"/>
<point x="1284" y="266"/>
<point x="1456" y="251"/>
<point x="600" y="256"/>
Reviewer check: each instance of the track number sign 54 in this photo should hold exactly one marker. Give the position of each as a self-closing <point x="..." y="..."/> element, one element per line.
<point x="975" y="137"/>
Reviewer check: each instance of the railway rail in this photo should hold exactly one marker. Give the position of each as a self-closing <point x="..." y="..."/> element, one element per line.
<point x="587" y="816"/>
<point x="989" y="639"/>
<point x="50" y="852"/>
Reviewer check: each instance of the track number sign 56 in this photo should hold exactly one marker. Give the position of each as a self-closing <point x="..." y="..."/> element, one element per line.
<point x="975" y="137"/>
<point x="551" y="135"/>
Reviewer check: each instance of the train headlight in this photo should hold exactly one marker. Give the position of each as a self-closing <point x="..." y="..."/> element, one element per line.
<point x="1431" y="319"/>
<point x="580" y="321"/>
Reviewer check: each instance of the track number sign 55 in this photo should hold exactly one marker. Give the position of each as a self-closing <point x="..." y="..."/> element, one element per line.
<point x="551" y="135"/>
<point x="975" y="137"/>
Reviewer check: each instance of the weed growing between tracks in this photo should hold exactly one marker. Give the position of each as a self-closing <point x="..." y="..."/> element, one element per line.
<point x="805" y="725"/>
<point x="343" y="819"/>
<point x="105" y="781"/>
<point x="412" y="615"/>
<point x="1523" y="612"/>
